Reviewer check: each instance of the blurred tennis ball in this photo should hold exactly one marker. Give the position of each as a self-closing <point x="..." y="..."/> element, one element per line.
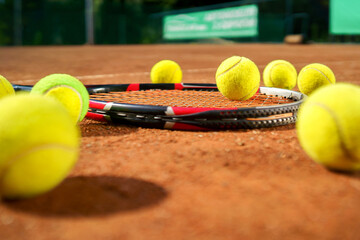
<point x="166" y="71"/>
<point x="238" y="78"/>
<point x="280" y="74"/>
<point x="39" y="145"/>
<point x="328" y="126"/>
<point x="314" y="76"/>
<point x="66" y="89"/>
<point x="5" y="87"/>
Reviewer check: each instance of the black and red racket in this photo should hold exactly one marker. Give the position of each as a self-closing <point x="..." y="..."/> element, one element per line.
<point x="189" y="106"/>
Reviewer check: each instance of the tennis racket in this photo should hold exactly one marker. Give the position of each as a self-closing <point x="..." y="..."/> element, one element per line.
<point x="189" y="106"/>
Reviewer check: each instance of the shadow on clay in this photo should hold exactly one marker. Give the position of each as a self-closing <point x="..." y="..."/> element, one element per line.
<point x="90" y="128"/>
<point x="279" y="128"/>
<point x="92" y="196"/>
<point x="354" y="175"/>
<point x="269" y="129"/>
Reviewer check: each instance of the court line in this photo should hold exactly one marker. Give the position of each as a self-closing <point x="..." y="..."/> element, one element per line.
<point x="112" y="75"/>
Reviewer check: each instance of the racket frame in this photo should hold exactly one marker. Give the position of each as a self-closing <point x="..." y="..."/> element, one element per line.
<point x="188" y="118"/>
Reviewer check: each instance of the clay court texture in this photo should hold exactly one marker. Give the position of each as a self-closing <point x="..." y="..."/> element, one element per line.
<point x="138" y="183"/>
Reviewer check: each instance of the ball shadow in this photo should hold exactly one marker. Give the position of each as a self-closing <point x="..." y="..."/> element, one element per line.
<point x="92" y="196"/>
<point x="279" y="128"/>
<point x="350" y="174"/>
<point x="282" y="128"/>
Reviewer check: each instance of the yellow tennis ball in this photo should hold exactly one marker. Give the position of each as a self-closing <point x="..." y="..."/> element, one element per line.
<point x="5" y="87"/>
<point x="39" y="145"/>
<point x="166" y="71"/>
<point x="314" y="76"/>
<point x="280" y="74"/>
<point x="238" y="78"/>
<point x="328" y="126"/>
<point x="66" y="89"/>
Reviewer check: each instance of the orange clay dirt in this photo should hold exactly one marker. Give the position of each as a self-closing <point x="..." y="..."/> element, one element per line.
<point x="136" y="183"/>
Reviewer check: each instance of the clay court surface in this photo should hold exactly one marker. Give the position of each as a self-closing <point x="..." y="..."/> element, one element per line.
<point x="136" y="183"/>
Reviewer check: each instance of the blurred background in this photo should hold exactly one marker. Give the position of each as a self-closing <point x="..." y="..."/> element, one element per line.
<point x="76" y="22"/>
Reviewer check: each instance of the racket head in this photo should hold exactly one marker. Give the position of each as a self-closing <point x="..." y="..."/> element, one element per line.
<point x="148" y="105"/>
<point x="152" y="121"/>
<point x="191" y="106"/>
<point x="161" y="99"/>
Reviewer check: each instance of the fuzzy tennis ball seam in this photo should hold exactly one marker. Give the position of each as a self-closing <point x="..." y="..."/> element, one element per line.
<point x="28" y="152"/>
<point x="174" y="73"/>
<point x="339" y="130"/>
<point x="5" y="86"/>
<point x="280" y="74"/>
<point x="321" y="72"/>
<point x="39" y="148"/>
<point x="314" y="76"/>
<point x="327" y="127"/>
<point x="50" y="85"/>
<point x="247" y="96"/>
<point x="272" y="69"/>
<point x="166" y="71"/>
<point x="232" y="67"/>
<point x="39" y="145"/>
<point x="237" y="78"/>
<point x="75" y="91"/>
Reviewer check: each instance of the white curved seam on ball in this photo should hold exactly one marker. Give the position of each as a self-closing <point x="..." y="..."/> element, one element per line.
<point x="339" y="130"/>
<point x="230" y="68"/>
<point x="79" y="95"/>
<point x="319" y="72"/>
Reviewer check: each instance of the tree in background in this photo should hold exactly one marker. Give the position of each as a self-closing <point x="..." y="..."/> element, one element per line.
<point x="6" y="22"/>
